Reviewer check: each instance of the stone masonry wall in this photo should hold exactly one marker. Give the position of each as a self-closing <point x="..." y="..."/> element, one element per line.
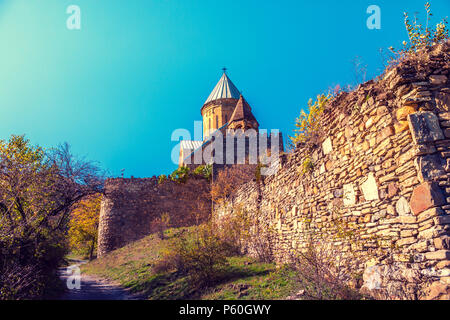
<point x="129" y="206"/>
<point x="379" y="187"/>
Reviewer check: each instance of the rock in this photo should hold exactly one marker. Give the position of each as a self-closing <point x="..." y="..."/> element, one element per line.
<point x="384" y="133"/>
<point x="438" y="255"/>
<point x="349" y="195"/>
<point x="425" y="196"/>
<point x="402" y="207"/>
<point x="442" y="242"/>
<point x="442" y="102"/>
<point x="438" y="79"/>
<point x="403" y="112"/>
<point x="370" y="188"/>
<point x="392" y="189"/>
<point x="424" y="127"/>
<point x="327" y="146"/>
<point x="372" y="278"/>
<point x="401" y="126"/>
<point x="437" y="290"/>
<point x="429" y="167"/>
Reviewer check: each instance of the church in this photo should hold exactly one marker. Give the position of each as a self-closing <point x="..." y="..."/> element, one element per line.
<point x="227" y="114"/>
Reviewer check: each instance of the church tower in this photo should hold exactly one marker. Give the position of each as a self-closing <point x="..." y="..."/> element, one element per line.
<point x="242" y="117"/>
<point x="219" y="107"/>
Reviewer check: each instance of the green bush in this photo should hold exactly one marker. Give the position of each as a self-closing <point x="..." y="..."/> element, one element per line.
<point x="200" y="254"/>
<point x="162" y="178"/>
<point x="180" y="175"/>
<point x="204" y="170"/>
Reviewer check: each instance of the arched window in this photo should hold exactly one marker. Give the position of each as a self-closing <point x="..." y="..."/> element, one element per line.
<point x="226" y="118"/>
<point x="217" y="122"/>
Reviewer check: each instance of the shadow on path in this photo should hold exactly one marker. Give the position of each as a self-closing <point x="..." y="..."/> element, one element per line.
<point x="92" y="288"/>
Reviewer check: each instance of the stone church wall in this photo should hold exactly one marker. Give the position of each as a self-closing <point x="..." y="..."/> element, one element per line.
<point x="379" y="185"/>
<point x="129" y="206"/>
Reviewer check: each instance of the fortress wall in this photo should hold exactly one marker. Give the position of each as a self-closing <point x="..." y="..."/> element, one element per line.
<point x="129" y="206"/>
<point x="379" y="187"/>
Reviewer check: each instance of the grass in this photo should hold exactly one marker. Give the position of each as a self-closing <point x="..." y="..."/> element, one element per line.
<point x="241" y="279"/>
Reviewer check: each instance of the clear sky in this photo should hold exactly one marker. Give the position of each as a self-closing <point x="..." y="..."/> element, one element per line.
<point x="139" y="69"/>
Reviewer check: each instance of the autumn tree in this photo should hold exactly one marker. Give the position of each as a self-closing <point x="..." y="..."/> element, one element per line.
<point x="83" y="226"/>
<point x="38" y="189"/>
<point x="228" y="180"/>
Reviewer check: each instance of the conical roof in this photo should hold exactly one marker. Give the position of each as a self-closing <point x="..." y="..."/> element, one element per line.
<point x="224" y="89"/>
<point x="242" y="111"/>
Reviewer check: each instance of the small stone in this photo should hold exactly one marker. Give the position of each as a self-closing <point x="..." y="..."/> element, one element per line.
<point x="402" y="207"/>
<point x="402" y="113"/>
<point x="401" y="126"/>
<point x="392" y="189"/>
<point x="442" y="242"/>
<point x="438" y="255"/>
<point x="386" y="132"/>
<point x="438" y="79"/>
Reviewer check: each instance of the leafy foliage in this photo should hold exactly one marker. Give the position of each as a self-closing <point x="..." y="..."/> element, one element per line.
<point x="38" y="190"/>
<point x="180" y="175"/>
<point x="204" y="170"/>
<point x="83" y="226"/>
<point x="307" y="124"/>
<point x="228" y="180"/>
<point x="200" y="255"/>
<point x="162" y="178"/>
<point x="422" y="37"/>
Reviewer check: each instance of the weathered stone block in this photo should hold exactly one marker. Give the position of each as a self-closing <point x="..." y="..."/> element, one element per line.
<point x="349" y="194"/>
<point x="429" y="167"/>
<point x="438" y="255"/>
<point x="403" y="112"/>
<point x="424" y="127"/>
<point x="438" y="79"/>
<point x="402" y="207"/>
<point x="327" y="146"/>
<point x="425" y="196"/>
<point x="370" y="188"/>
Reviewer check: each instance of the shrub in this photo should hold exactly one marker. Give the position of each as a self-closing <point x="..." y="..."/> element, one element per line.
<point x="162" y="178"/>
<point x="323" y="274"/>
<point x="307" y="124"/>
<point x="161" y="224"/>
<point x="422" y="37"/>
<point x="180" y="175"/>
<point x="307" y="165"/>
<point x="199" y="254"/>
<point x="228" y="180"/>
<point x="204" y="170"/>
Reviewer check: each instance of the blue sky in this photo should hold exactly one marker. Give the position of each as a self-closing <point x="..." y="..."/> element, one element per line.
<point x="137" y="70"/>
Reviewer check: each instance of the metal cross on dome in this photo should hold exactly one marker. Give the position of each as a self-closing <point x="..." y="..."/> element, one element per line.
<point x="224" y="69"/>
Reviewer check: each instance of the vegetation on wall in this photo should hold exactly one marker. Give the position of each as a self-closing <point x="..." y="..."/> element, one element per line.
<point x="420" y="36"/>
<point x="307" y="124"/>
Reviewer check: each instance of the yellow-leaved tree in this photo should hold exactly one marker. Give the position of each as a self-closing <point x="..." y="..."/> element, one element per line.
<point x="83" y="226"/>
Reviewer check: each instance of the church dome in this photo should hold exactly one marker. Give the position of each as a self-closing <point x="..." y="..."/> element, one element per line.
<point x="224" y="89"/>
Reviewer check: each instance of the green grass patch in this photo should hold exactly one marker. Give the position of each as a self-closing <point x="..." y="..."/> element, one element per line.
<point x="242" y="278"/>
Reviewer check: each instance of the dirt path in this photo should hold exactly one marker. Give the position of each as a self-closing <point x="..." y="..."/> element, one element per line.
<point x="92" y="288"/>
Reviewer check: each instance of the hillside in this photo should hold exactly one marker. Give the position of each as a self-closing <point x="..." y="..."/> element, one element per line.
<point x="243" y="277"/>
